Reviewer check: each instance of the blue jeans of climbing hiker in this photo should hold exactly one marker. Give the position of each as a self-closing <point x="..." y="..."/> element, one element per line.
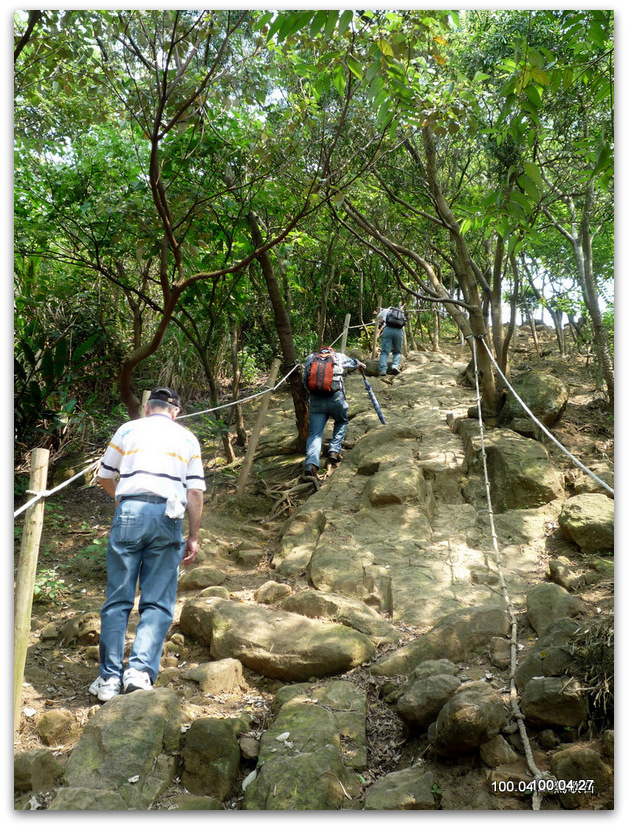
<point x="145" y="543"/>
<point x="392" y="338"/>
<point x="321" y="409"/>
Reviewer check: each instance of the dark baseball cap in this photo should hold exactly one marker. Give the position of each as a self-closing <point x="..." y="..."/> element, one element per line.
<point x="166" y="395"/>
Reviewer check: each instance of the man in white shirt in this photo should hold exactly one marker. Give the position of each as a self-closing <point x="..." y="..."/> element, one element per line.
<point x="153" y="469"/>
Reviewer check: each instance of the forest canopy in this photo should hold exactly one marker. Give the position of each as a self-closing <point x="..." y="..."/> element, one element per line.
<point x="198" y="192"/>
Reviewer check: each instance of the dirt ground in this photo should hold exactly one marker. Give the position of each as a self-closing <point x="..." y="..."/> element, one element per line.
<point x="71" y="576"/>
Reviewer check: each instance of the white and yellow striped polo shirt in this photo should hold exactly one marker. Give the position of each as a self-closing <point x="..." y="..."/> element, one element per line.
<point x="154" y="455"/>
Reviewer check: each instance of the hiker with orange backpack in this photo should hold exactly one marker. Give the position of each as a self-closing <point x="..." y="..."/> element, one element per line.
<point x="323" y="378"/>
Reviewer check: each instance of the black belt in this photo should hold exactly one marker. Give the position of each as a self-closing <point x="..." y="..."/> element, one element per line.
<point x="145" y="497"/>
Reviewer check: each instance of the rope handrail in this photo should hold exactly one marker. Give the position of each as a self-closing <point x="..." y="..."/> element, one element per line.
<point x="244" y="399"/>
<point x="536" y="796"/>
<point x="540" y="424"/>
<point x="48" y="492"/>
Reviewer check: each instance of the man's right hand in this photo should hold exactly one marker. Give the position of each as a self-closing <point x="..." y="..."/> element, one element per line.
<point x="191" y="549"/>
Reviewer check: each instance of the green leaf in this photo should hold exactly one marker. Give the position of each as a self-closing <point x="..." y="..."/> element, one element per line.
<point x="534" y="172"/>
<point x="84" y="347"/>
<point x="330" y="24"/>
<point x="47" y="367"/>
<point x="604" y="159"/>
<point x="317" y="23"/>
<point x="61" y="357"/>
<point x="345" y="19"/>
<point x="355" y="66"/>
<point x="339" y="80"/>
<point x="529" y="187"/>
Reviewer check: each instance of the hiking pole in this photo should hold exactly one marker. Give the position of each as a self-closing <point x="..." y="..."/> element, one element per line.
<point x="371" y="394"/>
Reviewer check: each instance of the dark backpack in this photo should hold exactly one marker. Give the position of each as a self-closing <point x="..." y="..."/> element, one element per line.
<point x="396" y="318"/>
<point x="320" y="377"/>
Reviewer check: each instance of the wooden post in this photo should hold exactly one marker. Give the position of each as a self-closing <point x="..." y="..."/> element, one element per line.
<point x="257" y="430"/>
<point x="404" y="344"/>
<point x="345" y="333"/>
<point x="145" y="397"/>
<point x="375" y="332"/>
<point x="25" y="581"/>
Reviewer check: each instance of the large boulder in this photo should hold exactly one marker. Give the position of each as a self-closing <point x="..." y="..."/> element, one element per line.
<point x="398" y="484"/>
<point x="548" y="602"/>
<point x="520" y="471"/>
<point x="411" y="789"/>
<point x="551" y="655"/>
<point x="300" y="765"/>
<point x="554" y="701"/>
<point x="422" y="701"/>
<point x="582" y="776"/>
<point x="211" y="757"/>
<point x="57" y="726"/>
<point x="544" y="394"/>
<point x="201" y="577"/>
<point x="88" y="799"/>
<point x="280" y="645"/>
<point x="589" y="521"/>
<point x="128" y="748"/>
<point x="223" y="676"/>
<point x="475" y="714"/>
<point x="347" y="704"/>
<point x="36" y="770"/>
<point x="452" y="637"/>
<point x="348" y="611"/>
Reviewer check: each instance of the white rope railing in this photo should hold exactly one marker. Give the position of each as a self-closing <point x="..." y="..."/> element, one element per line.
<point x="49" y="492"/>
<point x="536" y="796"/>
<point x="540" y="424"/>
<point x="244" y="399"/>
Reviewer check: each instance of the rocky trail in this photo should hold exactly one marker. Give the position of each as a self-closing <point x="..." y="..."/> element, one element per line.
<point x="350" y="645"/>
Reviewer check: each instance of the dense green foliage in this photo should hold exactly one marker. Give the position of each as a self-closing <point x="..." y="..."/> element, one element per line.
<point x="410" y="155"/>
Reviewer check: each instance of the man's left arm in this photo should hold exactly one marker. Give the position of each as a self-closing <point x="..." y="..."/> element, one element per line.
<point x="195" y="511"/>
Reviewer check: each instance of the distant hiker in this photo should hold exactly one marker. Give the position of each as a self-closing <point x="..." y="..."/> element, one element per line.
<point x="393" y="319"/>
<point x="323" y="379"/>
<point x="159" y="472"/>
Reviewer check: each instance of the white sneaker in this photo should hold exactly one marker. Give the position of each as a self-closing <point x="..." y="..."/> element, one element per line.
<point x="136" y="680"/>
<point x="105" y="689"/>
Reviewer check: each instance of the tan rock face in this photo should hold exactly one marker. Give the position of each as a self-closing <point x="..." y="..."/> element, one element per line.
<point x="275" y="644"/>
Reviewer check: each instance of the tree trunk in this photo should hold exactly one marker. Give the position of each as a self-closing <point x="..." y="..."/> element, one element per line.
<point x="215" y="401"/>
<point x="584" y="255"/>
<point x="235" y="388"/>
<point x="284" y="331"/>
<point x="468" y="277"/>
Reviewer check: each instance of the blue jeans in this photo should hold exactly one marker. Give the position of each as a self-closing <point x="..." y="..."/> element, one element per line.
<point x="144" y="542"/>
<point x="321" y="409"/>
<point x="392" y="338"/>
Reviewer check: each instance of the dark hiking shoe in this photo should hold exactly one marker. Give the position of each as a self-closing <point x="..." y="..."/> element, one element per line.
<point x="334" y="457"/>
<point x="310" y="471"/>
